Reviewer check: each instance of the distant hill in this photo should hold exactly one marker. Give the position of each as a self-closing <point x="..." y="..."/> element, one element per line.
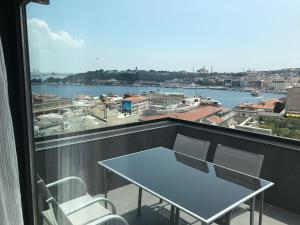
<point x="132" y="76"/>
<point x="124" y="77"/>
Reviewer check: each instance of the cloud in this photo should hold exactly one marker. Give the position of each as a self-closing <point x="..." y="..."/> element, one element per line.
<point x="39" y="30"/>
<point x="53" y="51"/>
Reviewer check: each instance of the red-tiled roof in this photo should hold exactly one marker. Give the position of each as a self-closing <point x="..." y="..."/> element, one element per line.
<point x="267" y="104"/>
<point x="193" y="115"/>
<point x="216" y="119"/>
<point x="270" y="104"/>
<point x="135" y="98"/>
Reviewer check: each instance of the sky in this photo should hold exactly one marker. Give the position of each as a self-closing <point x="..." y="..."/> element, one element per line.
<point x="71" y="36"/>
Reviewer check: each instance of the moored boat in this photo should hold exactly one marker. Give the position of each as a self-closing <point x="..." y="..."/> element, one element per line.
<point x="255" y="93"/>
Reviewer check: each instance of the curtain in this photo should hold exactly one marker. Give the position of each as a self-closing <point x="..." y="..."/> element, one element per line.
<point x="10" y="198"/>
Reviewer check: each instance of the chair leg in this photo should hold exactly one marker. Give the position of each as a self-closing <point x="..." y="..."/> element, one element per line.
<point x="139" y="201"/>
<point x="172" y="214"/>
<point x="177" y="212"/>
<point x="252" y="211"/>
<point x="226" y="219"/>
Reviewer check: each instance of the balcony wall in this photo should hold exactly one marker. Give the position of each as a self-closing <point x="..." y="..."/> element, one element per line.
<point x="78" y="155"/>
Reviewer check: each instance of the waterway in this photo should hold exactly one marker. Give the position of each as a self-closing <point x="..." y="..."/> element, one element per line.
<point x="228" y="98"/>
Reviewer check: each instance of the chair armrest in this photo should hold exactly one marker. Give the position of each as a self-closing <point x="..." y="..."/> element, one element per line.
<point x="108" y="218"/>
<point x="68" y="179"/>
<point x="95" y="200"/>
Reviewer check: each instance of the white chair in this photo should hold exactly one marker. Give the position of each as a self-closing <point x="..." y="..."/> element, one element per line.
<point x="82" y="210"/>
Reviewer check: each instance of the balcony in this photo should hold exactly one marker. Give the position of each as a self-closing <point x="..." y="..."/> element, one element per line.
<point x="78" y="154"/>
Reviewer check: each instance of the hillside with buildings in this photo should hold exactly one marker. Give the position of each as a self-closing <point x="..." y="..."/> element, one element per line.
<point x="274" y="80"/>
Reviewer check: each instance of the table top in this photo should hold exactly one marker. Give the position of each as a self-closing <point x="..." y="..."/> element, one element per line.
<point x="202" y="189"/>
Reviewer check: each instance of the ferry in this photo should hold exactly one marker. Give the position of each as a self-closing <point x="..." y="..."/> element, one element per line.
<point x="210" y="101"/>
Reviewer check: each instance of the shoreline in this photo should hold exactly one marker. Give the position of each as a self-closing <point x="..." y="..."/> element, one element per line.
<point x="217" y="88"/>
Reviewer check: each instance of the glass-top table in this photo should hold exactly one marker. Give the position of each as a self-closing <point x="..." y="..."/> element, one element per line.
<point x="199" y="188"/>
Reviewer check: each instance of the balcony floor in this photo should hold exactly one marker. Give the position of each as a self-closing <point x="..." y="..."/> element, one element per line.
<point x="153" y="213"/>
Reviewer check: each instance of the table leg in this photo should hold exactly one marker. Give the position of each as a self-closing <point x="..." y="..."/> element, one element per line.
<point x="177" y="211"/>
<point x="252" y="211"/>
<point x="105" y="185"/>
<point x="140" y="201"/>
<point x="261" y="211"/>
<point x="172" y="214"/>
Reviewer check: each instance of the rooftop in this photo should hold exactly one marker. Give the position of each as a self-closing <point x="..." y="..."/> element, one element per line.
<point x="216" y="119"/>
<point x="135" y="98"/>
<point x="266" y="105"/>
<point x="193" y="115"/>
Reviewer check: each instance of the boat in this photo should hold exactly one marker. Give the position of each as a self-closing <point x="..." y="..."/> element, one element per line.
<point x="255" y="93"/>
<point x="209" y="101"/>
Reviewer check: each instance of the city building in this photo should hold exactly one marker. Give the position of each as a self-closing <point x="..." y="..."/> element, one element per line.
<point x="257" y="84"/>
<point x="46" y="103"/>
<point x="203" y="70"/>
<point x="293" y="100"/>
<point x="134" y="104"/>
<point x="228" y="83"/>
<point x="253" y="109"/>
<point x="279" y="85"/>
<point x="164" y="100"/>
<point x="238" y="83"/>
